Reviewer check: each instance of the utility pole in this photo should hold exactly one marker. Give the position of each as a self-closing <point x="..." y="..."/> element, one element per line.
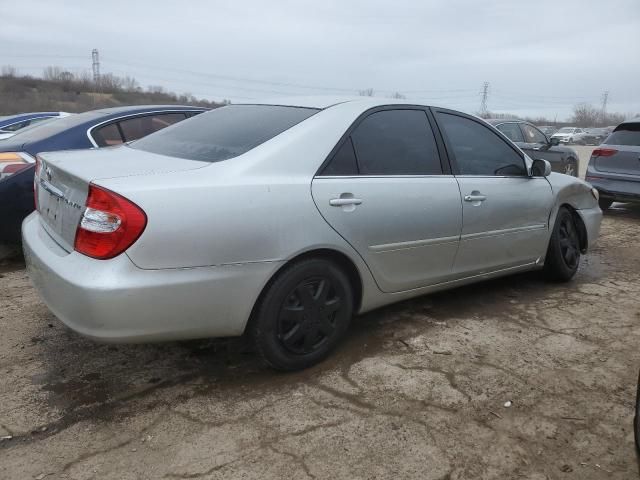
<point x="483" y="103"/>
<point x="95" y="57"/>
<point x="605" y="98"/>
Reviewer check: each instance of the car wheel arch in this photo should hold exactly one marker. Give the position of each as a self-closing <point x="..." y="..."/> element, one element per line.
<point x="338" y="258"/>
<point x="582" y="229"/>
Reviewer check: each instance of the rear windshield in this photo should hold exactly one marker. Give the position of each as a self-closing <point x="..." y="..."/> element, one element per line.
<point x="626" y="134"/>
<point x="223" y="133"/>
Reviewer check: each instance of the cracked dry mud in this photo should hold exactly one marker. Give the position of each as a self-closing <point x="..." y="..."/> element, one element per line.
<point x="417" y="390"/>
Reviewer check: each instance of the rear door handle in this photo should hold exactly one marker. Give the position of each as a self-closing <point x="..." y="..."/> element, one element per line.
<point x="475" y="198"/>
<point x="341" y="202"/>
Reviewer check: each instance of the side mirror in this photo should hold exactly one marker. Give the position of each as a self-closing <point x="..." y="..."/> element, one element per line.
<point x="540" y="168"/>
<point x="553" y="141"/>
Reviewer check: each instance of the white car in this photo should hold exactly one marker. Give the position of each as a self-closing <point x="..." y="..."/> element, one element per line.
<point x="570" y="135"/>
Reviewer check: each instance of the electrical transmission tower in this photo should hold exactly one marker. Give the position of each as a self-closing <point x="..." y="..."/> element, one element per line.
<point x="605" y="98"/>
<point x="483" y="102"/>
<point x="95" y="57"/>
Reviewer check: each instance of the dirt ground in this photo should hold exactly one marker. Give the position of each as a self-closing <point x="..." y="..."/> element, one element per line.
<point x="417" y="390"/>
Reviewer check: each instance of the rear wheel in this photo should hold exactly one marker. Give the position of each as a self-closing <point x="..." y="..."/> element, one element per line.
<point x="303" y="315"/>
<point x="563" y="253"/>
<point x="605" y="203"/>
<point x="571" y="167"/>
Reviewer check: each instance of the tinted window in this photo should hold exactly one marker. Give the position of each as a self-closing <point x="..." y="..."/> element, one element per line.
<point x="512" y="131"/>
<point x="138" y="127"/>
<point x="224" y="133"/>
<point x="107" y="135"/>
<point x="626" y="134"/>
<point x="533" y="135"/>
<point x="16" y="126"/>
<point x="396" y="142"/>
<point x="343" y="162"/>
<point x="478" y="150"/>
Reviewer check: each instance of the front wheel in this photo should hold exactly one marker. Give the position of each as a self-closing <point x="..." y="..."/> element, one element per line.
<point x="302" y="315"/>
<point x="563" y="253"/>
<point x="571" y="167"/>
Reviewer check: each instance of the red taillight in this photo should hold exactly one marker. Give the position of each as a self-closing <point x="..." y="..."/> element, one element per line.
<point x="604" y="152"/>
<point x="14" y="167"/>
<point x="110" y="224"/>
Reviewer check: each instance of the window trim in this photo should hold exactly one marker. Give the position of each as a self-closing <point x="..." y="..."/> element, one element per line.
<point x="452" y="157"/>
<point x="133" y="115"/>
<point x="444" y="161"/>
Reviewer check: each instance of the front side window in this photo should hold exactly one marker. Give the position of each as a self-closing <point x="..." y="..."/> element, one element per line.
<point x="138" y="127"/>
<point x="107" y="136"/>
<point x="511" y="131"/>
<point x="532" y="134"/>
<point x="224" y="132"/>
<point x="396" y="142"/>
<point x="478" y="150"/>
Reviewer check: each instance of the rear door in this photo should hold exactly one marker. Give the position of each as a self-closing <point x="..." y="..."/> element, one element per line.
<point x="505" y="211"/>
<point x="621" y="151"/>
<point x="385" y="190"/>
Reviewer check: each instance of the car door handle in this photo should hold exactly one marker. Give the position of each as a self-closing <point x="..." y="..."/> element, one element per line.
<point x="475" y="198"/>
<point x="341" y="202"/>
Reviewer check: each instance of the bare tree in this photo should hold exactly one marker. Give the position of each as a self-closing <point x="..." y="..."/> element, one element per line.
<point x="9" y="71"/>
<point x="586" y="115"/>
<point x="367" y="92"/>
<point x="52" y="73"/>
<point x="398" y="96"/>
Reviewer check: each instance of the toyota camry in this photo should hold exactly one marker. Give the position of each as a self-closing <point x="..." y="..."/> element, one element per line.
<point x="283" y="219"/>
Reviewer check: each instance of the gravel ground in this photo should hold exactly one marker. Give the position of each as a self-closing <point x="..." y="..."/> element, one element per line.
<point x="417" y="390"/>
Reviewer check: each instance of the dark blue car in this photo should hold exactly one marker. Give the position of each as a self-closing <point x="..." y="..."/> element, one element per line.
<point x="96" y="128"/>
<point x="14" y="123"/>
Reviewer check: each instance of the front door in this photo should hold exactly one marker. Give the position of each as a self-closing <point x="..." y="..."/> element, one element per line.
<point x="386" y="193"/>
<point x="505" y="212"/>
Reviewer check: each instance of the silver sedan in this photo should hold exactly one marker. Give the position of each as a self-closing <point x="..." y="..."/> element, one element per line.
<point x="284" y="219"/>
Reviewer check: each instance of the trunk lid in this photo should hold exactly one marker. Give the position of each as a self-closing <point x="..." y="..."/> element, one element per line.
<point x="62" y="182"/>
<point x="625" y="161"/>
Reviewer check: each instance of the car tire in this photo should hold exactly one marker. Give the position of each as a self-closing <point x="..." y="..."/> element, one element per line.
<point x="563" y="253"/>
<point x="302" y="315"/>
<point x="604" y="203"/>
<point x="636" y="421"/>
<point x="571" y="167"/>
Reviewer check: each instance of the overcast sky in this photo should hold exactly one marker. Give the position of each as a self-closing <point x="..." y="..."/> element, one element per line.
<point x="540" y="57"/>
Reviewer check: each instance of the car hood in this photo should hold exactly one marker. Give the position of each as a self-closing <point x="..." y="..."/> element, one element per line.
<point x="116" y="162"/>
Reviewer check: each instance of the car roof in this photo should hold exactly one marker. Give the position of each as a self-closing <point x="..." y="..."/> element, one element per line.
<point x="496" y="121"/>
<point x="325" y="101"/>
<point x="83" y="121"/>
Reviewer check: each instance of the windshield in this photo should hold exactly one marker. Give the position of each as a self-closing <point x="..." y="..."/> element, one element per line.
<point x="223" y="133"/>
<point x="626" y="134"/>
<point x="47" y="128"/>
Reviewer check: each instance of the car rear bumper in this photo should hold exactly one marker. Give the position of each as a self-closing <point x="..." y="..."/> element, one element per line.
<point x="115" y="301"/>
<point x="616" y="189"/>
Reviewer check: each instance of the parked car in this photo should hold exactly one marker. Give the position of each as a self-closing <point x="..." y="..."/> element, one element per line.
<point x="548" y="130"/>
<point x="614" y="167"/>
<point x="11" y="124"/>
<point x="569" y="135"/>
<point x="97" y="128"/>
<point x="285" y="219"/>
<point x="636" y="421"/>
<point x="594" y="136"/>
<point x="537" y="145"/>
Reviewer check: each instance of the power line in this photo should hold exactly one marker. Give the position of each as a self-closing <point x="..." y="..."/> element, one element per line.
<point x="605" y="98"/>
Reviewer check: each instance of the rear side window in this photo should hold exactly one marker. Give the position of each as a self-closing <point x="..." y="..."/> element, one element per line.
<point x="625" y="134"/>
<point x="138" y="127"/>
<point x="478" y="150"/>
<point x="396" y="142"/>
<point x="107" y="136"/>
<point x="343" y="162"/>
<point x="511" y="131"/>
<point x="224" y="133"/>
